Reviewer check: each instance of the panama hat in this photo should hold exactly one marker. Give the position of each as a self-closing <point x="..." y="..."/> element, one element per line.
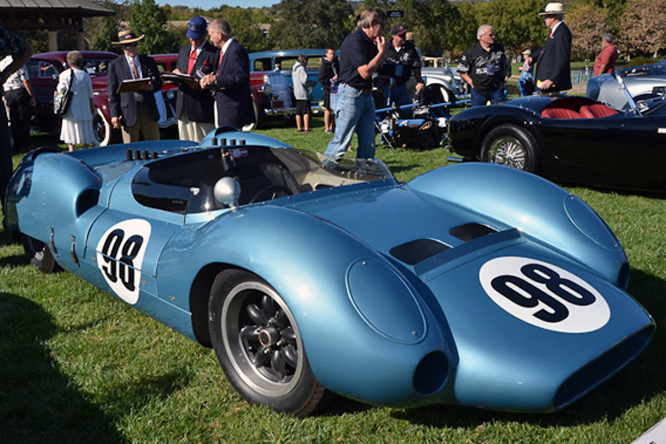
<point x="127" y="36"/>
<point x="554" y="8"/>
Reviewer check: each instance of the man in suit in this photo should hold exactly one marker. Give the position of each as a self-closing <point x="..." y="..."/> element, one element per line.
<point x="231" y="82"/>
<point x="553" y="61"/>
<point x="135" y="112"/>
<point x="194" y="106"/>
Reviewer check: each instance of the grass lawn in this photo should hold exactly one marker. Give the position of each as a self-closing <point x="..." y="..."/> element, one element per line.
<point x="79" y="366"/>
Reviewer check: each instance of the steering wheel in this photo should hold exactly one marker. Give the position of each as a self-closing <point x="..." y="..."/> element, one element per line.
<point x="271" y="192"/>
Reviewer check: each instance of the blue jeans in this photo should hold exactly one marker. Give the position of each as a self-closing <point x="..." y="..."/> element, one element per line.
<point x="355" y="113"/>
<point x="399" y="95"/>
<point x="494" y="96"/>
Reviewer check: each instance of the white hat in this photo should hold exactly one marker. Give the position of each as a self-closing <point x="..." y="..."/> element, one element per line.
<point x="554" y="8"/>
<point x="527" y="52"/>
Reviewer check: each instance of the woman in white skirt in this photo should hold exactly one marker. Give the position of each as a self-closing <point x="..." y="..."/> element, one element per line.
<point x="77" y="127"/>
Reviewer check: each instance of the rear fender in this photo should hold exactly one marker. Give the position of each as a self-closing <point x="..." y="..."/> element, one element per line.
<point x="537" y="207"/>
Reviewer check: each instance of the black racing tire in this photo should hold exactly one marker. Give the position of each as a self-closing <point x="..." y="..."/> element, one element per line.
<point x="512" y="146"/>
<point x="259" y="346"/>
<point x="39" y="255"/>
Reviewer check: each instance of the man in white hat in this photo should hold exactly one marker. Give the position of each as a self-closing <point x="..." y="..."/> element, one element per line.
<point x="134" y="112"/>
<point x="553" y="61"/>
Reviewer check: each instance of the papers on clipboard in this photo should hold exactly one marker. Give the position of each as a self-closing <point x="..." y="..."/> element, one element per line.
<point x="133" y="85"/>
<point x="179" y="78"/>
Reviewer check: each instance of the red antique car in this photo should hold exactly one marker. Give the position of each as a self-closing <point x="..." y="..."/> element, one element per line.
<point x="44" y="69"/>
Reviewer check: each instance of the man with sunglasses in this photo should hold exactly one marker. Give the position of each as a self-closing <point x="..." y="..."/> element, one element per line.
<point x="134" y="112"/>
<point x="360" y="56"/>
<point x="485" y="68"/>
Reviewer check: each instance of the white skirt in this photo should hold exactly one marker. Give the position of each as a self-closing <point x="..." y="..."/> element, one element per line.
<point x="78" y="132"/>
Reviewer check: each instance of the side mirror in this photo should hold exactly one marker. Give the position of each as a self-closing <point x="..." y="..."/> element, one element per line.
<point x="226" y="191"/>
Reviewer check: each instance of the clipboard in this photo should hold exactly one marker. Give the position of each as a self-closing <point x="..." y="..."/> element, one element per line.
<point x="180" y="78"/>
<point x="133" y="85"/>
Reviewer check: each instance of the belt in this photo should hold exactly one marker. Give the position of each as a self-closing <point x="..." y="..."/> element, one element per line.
<point x="363" y="90"/>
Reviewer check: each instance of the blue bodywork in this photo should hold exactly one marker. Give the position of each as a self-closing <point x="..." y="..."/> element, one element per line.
<point x="473" y="284"/>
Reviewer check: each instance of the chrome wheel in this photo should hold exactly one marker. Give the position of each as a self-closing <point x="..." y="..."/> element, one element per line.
<point x="507" y="151"/>
<point x="261" y="339"/>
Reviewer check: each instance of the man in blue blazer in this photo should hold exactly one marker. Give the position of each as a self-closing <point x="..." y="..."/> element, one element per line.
<point x="231" y="82"/>
<point x="194" y="106"/>
<point x="553" y="61"/>
<point x="135" y="112"/>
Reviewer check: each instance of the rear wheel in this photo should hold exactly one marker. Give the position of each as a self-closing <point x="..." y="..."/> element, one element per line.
<point x="103" y="130"/>
<point x="39" y="255"/>
<point x="512" y="146"/>
<point x="259" y="346"/>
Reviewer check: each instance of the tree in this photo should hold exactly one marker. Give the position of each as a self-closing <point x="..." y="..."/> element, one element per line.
<point x="149" y="19"/>
<point x="642" y="26"/>
<point x="101" y="31"/>
<point x="587" y="23"/>
<point x="311" y="23"/>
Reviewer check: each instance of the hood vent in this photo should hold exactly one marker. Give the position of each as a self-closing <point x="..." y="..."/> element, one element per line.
<point x="418" y="250"/>
<point x="471" y="231"/>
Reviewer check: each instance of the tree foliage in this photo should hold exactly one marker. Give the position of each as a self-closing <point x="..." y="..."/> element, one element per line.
<point x="149" y="19"/>
<point x="587" y="23"/>
<point x="642" y="27"/>
<point x="311" y="23"/>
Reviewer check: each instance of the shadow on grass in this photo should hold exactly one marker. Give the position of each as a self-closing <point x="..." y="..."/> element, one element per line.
<point x="37" y="402"/>
<point x="639" y="382"/>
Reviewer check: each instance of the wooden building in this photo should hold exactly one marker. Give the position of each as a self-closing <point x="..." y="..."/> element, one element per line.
<point x="52" y="15"/>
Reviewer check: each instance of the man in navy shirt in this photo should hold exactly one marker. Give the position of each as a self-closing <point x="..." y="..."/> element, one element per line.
<point x="360" y="56"/>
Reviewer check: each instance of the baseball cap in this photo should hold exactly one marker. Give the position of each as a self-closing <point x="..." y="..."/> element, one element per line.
<point x="398" y="30"/>
<point x="197" y="28"/>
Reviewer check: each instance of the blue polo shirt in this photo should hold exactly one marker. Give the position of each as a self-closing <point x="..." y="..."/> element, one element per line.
<point x="356" y="50"/>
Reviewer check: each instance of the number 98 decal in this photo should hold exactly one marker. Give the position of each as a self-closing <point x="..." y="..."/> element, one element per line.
<point x="544" y="295"/>
<point x="120" y="254"/>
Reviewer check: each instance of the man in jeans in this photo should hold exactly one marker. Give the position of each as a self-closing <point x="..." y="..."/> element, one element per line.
<point x="484" y="67"/>
<point x="360" y="56"/>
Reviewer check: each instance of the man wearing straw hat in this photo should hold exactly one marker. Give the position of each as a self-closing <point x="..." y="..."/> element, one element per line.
<point x="135" y="112"/>
<point x="553" y="61"/>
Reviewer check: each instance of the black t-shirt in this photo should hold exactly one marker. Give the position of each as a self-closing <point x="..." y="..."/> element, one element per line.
<point x="486" y="68"/>
<point x="356" y="50"/>
<point x="399" y="64"/>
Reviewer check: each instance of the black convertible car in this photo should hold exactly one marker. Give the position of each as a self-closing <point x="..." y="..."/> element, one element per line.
<point x="571" y="139"/>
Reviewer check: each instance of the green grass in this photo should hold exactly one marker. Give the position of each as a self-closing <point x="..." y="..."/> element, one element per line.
<point x="78" y="366"/>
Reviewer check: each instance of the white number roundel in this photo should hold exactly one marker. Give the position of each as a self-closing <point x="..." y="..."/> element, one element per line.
<point x="120" y="254"/>
<point x="544" y="295"/>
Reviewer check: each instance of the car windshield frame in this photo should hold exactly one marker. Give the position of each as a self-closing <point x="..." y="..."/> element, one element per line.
<point x="184" y="183"/>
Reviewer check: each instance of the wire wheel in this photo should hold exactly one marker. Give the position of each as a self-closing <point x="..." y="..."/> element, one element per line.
<point x="507" y="151"/>
<point x="512" y="146"/>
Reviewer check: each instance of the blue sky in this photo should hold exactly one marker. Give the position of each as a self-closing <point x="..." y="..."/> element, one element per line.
<point x="207" y="4"/>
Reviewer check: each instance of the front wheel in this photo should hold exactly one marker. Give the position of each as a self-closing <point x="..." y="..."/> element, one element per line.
<point x="39" y="255"/>
<point x="259" y="346"/>
<point x="512" y="146"/>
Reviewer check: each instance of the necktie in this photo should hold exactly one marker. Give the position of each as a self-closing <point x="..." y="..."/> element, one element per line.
<point x="135" y="71"/>
<point x="191" y="61"/>
<point x="221" y="55"/>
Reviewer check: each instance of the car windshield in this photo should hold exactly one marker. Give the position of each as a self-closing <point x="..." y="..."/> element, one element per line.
<point x="184" y="183"/>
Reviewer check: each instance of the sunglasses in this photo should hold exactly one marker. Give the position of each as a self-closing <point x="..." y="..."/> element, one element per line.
<point x="129" y="45"/>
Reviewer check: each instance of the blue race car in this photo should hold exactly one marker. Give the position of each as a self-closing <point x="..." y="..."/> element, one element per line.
<point x="311" y="277"/>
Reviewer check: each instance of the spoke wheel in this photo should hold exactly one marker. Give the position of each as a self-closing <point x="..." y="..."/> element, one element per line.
<point x="259" y="346"/>
<point x="512" y="146"/>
